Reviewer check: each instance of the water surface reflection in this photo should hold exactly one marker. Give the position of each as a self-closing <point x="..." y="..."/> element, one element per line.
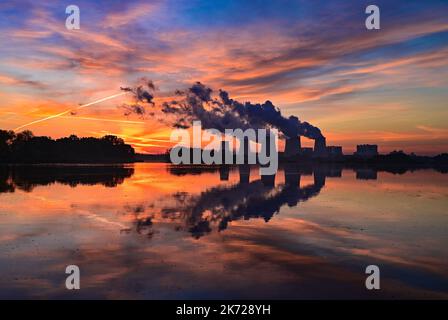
<point x="160" y="231"/>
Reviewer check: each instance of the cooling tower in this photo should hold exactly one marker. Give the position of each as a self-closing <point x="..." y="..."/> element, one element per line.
<point x="292" y="146"/>
<point x="320" y="146"/>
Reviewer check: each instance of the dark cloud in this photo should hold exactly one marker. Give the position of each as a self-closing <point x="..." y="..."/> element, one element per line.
<point x="143" y="94"/>
<point x="134" y="109"/>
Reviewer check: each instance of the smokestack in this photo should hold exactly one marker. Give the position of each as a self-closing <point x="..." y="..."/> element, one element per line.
<point x="320" y="146"/>
<point x="292" y="146"/>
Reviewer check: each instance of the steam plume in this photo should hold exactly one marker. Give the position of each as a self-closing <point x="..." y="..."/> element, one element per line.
<point x="198" y="103"/>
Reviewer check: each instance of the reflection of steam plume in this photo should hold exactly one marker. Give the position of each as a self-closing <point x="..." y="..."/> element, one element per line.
<point x="197" y="103"/>
<point x="257" y="199"/>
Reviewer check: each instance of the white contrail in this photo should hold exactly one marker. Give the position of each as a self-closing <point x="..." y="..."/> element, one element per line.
<point x="70" y="110"/>
<point x="102" y="119"/>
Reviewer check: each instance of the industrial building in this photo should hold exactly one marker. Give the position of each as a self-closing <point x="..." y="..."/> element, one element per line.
<point x="334" y="151"/>
<point x="293" y="149"/>
<point x="366" y="150"/>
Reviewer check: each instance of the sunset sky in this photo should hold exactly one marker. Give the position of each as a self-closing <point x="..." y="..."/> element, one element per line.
<point x="312" y="59"/>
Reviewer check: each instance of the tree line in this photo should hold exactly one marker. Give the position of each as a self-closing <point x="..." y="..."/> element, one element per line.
<point x="24" y="147"/>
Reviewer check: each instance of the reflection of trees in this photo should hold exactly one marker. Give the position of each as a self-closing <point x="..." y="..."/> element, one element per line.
<point x="216" y="207"/>
<point x="182" y="170"/>
<point x="27" y="177"/>
<point x="6" y="184"/>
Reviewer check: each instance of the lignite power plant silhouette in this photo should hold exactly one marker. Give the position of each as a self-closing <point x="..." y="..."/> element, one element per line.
<point x="197" y="104"/>
<point x="293" y="148"/>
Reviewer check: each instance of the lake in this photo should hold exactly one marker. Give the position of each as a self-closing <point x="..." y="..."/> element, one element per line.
<point x="156" y="231"/>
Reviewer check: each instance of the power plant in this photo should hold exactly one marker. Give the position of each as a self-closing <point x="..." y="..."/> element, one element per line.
<point x="293" y="149"/>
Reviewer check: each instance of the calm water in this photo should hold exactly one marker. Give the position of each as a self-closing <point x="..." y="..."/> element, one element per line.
<point x="155" y="231"/>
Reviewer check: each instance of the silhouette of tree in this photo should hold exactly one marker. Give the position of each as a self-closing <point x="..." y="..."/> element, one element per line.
<point x="24" y="147"/>
<point x="6" y="140"/>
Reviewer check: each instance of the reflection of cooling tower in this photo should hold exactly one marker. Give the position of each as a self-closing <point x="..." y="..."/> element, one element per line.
<point x="320" y="146"/>
<point x="246" y="149"/>
<point x="224" y="173"/>
<point x="319" y="177"/>
<point x="268" y="180"/>
<point x="292" y="146"/>
<point x="244" y="173"/>
<point x="292" y="176"/>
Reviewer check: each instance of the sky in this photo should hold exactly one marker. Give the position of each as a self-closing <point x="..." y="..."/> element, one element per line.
<point x="312" y="59"/>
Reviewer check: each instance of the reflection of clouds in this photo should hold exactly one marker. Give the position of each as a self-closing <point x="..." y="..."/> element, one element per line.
<point x="354" y="242"/>
<point x="311" y="249"/>
<point x="103" y="220"/>
<point x="251" y="262"/>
